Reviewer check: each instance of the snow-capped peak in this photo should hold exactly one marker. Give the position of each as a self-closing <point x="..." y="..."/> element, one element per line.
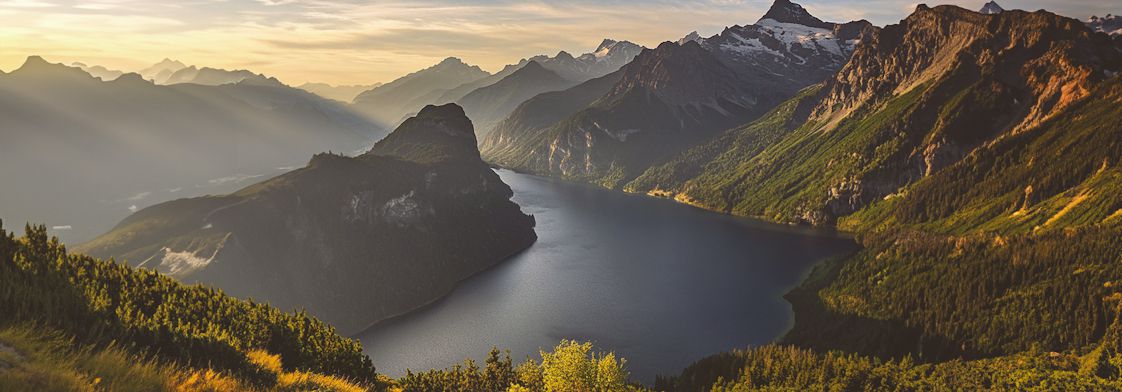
<point x="692" y="36"/>
<point x="991" y="8"/>
<point x="787" y="12"/>
<point x="605" y="45"/>
<point x="1109" y="24"/>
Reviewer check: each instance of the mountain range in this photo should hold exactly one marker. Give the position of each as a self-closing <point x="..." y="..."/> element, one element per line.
<point x="342" y="93"/>
<point x="1109" y="24"/>
<point x="673" y="97"/>
<point x="128" y="142"/>
<point x="975" y="157"/>
<point x="905" y="106"/>
<point x="453" y="81"/>
<point x="972" y="155"/>
<point x="352" y="240"/>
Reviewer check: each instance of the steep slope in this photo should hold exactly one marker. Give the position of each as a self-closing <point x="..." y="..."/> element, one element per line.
<point x="668" y="98"/>
<point x="390" y="103"/>
<point x="114" y="309"/>
<point x="787" y="49"/>
<point x="343" y="93"/>
<point x="991" y="8"/>
<point x="531" y="119"/>
<point x="975" y="156"/>
<point x="915" y="98"/>
<point x="609" y="57"/>
<point x="488" y="105"/>
<point x="353" y="240"/>
<point x="129" y="142"/>
<point x="678" y="95"/>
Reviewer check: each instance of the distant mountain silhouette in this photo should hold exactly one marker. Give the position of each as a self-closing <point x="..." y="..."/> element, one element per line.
<point x="339" y="93"/>
<point x="130" y="142"/>
<point x="392" y="102"/>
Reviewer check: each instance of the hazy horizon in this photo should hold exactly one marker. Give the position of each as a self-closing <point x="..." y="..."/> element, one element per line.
<point x="346" y="42"/>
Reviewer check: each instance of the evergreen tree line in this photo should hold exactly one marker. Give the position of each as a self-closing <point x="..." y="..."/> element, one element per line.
<point x="104" y="302"/>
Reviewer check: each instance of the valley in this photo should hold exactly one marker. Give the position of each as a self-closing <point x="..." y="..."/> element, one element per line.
<point x="669" y="271"/>
<point x="928" y="200"/>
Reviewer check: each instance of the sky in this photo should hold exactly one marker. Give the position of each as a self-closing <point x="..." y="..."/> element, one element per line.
<point x="361" y="42"/>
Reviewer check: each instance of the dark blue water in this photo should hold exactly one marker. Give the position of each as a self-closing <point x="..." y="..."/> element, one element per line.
<point x="660" y="283"/>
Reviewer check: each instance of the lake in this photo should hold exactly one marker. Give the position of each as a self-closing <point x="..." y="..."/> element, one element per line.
<point x="659" y="283"/>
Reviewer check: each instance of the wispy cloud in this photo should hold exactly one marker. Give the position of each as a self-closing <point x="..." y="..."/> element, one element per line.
<point x="354" y="41"/>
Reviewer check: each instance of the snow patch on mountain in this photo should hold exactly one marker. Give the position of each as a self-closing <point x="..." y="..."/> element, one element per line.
<point x="805" y="36"/>
<point x="1109" y="24"/>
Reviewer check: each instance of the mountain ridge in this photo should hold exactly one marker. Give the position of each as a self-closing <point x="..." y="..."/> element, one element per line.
<point x="678" y="95"/>
<point x="340" y="227"/>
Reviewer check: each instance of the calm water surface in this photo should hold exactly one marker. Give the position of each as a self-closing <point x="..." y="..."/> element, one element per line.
<point x="660" y="283"/>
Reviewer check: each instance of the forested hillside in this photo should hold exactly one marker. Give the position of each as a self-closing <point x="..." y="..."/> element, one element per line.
<point x="987" y="203"/>
<point x="102" y="303"/>
<point x="351" y="240"/>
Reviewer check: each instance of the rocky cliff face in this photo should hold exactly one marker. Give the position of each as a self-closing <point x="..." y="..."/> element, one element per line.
<point x="678" y="95"/>
<point x="667" y="98"/>
<point x="352" y="240"/>
<point x="982" y="77"/>
<point x="914" y="98"/>
<point x="486" y="106"/>
<point x="788" y="48"/>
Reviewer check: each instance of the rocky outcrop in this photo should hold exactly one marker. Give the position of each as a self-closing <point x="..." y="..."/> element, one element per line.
<point x="678" y="95"/>
<point x="914" y="99"/>
<point x="352" y="240"/>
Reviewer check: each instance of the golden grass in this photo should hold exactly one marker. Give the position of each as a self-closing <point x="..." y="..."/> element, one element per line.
<point x="298" y="380"/>
<point x="32" y="360"/>
<point x="1067" y="208"/>
<point x="43" y="361"/>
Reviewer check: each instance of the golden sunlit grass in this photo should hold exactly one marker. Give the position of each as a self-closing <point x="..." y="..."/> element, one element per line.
<point x="33" y="360"/>
<point x="299" y="381"/>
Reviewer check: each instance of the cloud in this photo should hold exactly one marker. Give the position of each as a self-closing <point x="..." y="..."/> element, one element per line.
<point x="234" y="179"/>
<point x="139" y="196"/>
<point x="360" y="42"/>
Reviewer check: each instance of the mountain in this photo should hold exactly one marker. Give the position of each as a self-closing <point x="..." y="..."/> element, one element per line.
<point x="98" y="71"/>
<point x="532" y="119"/>
<point x="609" y="57"/>
<point x="991" y="8"/>
<point x="112" y="327"/>
<point x="342" y="93"/>
<point x="162" y="70"/>
<point x="488" y="105"/>
<point x="207" y="76"/>
<point x="676" y="96"/>
<point x="913" y="99"/>
<point x="975" y="157"/>
<point x="668" y="97"/>
<point x="784" y="11"/>
<point x="128" y="143"/>
<point x="392" y="102"/>
<point x="353" y="240"/>
<point x="1109" y="24"/>
<point x="787" y="49"/>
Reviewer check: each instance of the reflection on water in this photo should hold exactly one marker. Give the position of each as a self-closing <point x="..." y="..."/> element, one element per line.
<point x="660" y="283"/>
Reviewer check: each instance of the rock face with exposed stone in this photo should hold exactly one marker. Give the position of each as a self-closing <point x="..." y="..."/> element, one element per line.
<point x="351" y="239"/>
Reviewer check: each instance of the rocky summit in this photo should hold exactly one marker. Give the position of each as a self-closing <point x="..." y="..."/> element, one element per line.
<point x="352" y="240"/>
